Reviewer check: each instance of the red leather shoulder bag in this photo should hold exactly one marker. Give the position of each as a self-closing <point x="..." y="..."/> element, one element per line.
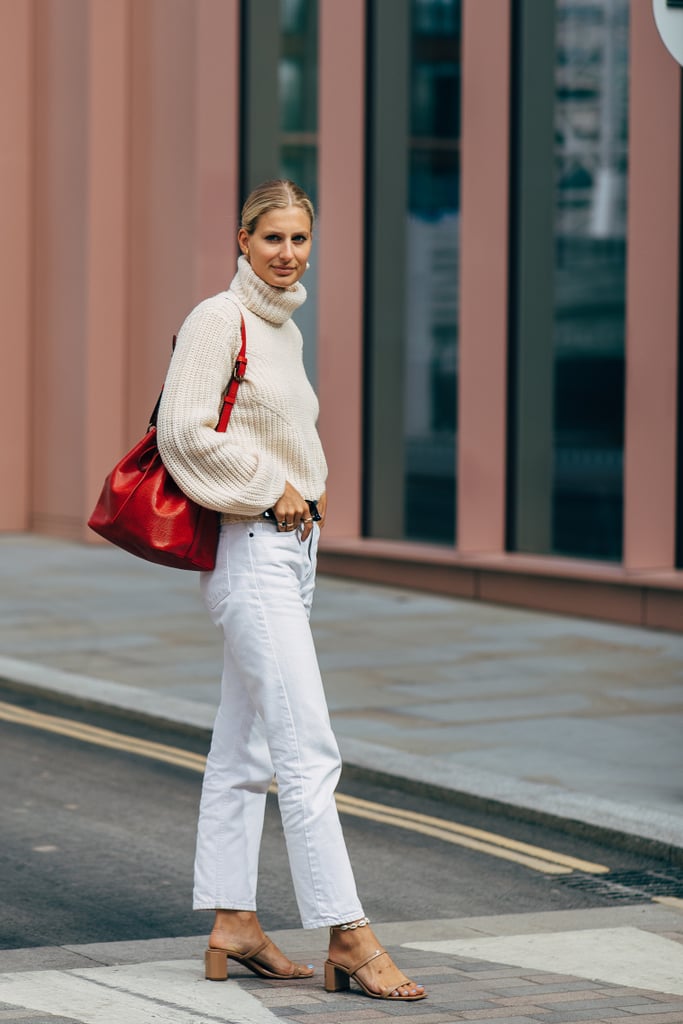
<point x="142" y="510"/>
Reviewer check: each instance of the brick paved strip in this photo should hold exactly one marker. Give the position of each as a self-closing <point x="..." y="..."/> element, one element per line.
<point x="648" y="993"/>
<point x="501" y="1013"/>
<point x="421" y="1012"/>
<point x="464" y="984"/>
<point x="464" y="988"/>
<point x="647" y="1018"/>
<point x="551" y="998"/>
<point x="452" y="997"/>
<point x="584" y="989"/>
<point x="335" y="1016"/>
<point x="410" y="1016"/>
<point x="508" y="1020"/>
<point x="541" y="978"/>
<point x="542" y="992"/>
<point x="33" y="1017"/>
<point x="441" y="1017"/>
<point x="650" y="1003"/>
<point x="293" y="1001"/>
<point x="579" y="1017"/>
<point x="673" y="1006"/>
<point x="488" y="971"/>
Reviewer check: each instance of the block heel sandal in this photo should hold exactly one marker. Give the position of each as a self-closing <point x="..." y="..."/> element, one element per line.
<point x="338" y="979"/>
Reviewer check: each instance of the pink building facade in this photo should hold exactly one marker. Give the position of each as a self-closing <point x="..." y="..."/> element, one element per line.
<point x="494" y="323"/>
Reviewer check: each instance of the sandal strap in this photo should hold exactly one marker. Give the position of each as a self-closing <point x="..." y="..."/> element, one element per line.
<point x="253" y="953"/>
<point x="250" y="954"/>
<point x="367" y="960"/>
<point x="362" y="963"/>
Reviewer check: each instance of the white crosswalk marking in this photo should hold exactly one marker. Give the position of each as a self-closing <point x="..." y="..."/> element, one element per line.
<point x="168" y="992"/>
<point x="622" y="956"/>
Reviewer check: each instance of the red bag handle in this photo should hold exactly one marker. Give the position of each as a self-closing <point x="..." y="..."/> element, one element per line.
<point x="238" y="373"/>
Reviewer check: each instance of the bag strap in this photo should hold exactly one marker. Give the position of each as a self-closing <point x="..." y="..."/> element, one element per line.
<point x="238" y="373"/>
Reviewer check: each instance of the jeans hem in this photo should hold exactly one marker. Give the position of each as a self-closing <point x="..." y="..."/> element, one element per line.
<point x="329" y="920"/>
<point x="227" y="905"/>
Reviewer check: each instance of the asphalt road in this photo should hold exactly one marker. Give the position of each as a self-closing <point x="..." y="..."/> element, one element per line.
<point x="97" y="845"/>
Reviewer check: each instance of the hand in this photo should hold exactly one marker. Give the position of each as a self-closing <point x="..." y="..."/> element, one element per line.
<point x="292" y="512"/>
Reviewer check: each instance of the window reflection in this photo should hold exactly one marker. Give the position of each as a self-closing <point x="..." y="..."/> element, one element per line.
<point x="298" y="94"/>
<point x="431" y="300"/>
<point x="591" y="121"/>
<point x="298" y="79"/>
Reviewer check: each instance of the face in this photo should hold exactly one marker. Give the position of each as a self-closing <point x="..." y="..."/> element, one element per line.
<point x="280" y="245"/>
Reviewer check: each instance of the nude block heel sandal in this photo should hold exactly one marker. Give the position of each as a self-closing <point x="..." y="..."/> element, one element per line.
<point x="216" y="965"/>
<point x="338" y="976"/>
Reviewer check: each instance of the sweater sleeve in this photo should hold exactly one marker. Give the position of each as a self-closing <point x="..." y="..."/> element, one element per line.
<point x="212" y="468"/>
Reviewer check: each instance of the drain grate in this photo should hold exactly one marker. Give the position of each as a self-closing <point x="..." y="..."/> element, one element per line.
<point x="626" y="886"/>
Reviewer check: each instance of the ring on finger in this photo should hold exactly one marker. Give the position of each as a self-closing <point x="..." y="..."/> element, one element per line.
<point x="283" y="524"/>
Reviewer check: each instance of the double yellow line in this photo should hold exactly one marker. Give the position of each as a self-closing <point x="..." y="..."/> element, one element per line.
<point x="534" y="857"/>
<point x="102" y="737"/>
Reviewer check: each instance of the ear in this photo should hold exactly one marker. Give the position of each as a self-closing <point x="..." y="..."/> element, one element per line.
<point x="243" y="240"/>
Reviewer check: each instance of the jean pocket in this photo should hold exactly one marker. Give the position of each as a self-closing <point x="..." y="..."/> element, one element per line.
<point x="215" y="586"/>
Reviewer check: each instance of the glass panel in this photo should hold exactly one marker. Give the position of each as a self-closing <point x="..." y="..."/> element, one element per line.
<point x="430" y="293"/>
<point x="298" y="87"/>
<point x="591" y="124"/>
<point x="679" y="467"/>
<point x="298" y="93"/>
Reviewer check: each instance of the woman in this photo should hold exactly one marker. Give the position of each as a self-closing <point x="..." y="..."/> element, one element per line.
<point x="266" y="475"/>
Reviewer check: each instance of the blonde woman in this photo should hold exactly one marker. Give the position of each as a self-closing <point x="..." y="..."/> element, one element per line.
<point x="266" y="476"/>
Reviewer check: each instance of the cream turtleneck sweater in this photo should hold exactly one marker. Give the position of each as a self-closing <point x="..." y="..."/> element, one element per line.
<point x="271" y="437"/>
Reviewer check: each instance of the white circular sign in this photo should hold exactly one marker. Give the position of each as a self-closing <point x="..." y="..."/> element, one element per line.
<point x="669" y="20"/>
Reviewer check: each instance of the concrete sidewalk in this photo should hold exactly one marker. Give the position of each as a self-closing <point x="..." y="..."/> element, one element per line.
<point x="571" y="720"/>
<point x="606" y="966"/>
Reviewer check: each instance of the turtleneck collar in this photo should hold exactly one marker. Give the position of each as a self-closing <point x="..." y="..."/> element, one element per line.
<point x="273" y="304"/>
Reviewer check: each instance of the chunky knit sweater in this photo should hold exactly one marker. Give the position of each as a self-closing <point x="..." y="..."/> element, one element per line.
<point x="271" y="437"/>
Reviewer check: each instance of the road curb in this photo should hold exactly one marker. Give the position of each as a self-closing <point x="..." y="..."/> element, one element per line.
<point x="629" y="827"/>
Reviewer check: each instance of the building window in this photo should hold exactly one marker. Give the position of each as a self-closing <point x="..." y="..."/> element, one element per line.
<point x="568" y="277"/>
<point x="298" y="89"/>
<point x="412" y="298"/>
<point x="591" y="139"/>
<point x="679" y="454"/>
<point x="280" y="122"/>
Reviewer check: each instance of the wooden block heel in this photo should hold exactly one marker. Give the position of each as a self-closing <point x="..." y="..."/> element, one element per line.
<point x="216" y="965"/>
<point x="336" y="980"/>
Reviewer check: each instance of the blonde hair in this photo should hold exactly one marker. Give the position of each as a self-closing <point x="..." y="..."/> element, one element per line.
<point x="274" y="195"/>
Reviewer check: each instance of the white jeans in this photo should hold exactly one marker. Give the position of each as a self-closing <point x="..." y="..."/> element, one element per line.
<point x="272" y="719"/>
